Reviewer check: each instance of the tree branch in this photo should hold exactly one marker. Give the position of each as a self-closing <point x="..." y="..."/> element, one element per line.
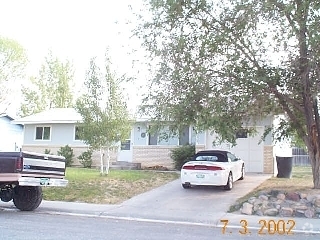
<point x="282" y="8"/>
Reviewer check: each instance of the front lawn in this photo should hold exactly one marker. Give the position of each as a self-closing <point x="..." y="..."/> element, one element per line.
<point x="86" y="185"/>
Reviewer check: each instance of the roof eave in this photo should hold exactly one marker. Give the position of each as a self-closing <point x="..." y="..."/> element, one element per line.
<point x="44" y="122"/>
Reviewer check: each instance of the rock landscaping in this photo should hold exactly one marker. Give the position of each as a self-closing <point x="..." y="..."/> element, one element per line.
<point x="282" y="204"/>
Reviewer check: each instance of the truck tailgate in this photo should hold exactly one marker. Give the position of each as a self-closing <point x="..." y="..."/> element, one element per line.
<point x="35" y="164"/>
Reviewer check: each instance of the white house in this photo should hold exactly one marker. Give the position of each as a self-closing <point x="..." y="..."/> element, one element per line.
<point x="54" y="128"/>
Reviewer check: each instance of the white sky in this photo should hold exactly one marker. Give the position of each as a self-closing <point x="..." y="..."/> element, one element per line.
<point x="75" y="30"/>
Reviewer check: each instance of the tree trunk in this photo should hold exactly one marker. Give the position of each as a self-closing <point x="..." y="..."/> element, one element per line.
<point x="101" y="161"/>
<point x="316" y="173"/>
<point x="312" y="142"/>
<point x="310" y="102"/>
<point x="315" y="165"/>
<point x="108" y="160"/>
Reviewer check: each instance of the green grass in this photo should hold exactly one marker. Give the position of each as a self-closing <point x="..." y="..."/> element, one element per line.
<point x="87" y="185"/>
<point x="300" y="181"/>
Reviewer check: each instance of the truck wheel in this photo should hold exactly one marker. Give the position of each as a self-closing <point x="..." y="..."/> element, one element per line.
<point x="27" y="198"/>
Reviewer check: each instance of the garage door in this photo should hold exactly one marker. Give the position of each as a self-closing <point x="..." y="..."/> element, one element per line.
<point x="247" y="148"/>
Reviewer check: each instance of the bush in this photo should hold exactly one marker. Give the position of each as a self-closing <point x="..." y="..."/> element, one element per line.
<point x="86" y="159"/>
<point x="67" y="152"/>
<point x="182" y="155"/>
<point x="47" y="151"/>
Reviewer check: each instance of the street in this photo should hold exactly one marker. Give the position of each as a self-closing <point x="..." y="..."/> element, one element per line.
<point x="43" y="226"/>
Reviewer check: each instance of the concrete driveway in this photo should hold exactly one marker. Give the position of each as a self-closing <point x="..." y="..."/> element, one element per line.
<point x="170" y="202"/>
<point x="199" y="204"/>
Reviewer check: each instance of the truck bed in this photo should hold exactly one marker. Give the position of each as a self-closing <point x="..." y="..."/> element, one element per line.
<point x="36" y="169"/>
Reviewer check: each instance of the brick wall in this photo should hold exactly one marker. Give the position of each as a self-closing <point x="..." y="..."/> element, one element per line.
<point x="77" y="150"/>
<point x="200" y="148"/>
<point x="268" y="160"/>
<point x="153" y="155"/>
<point x="148" y="156"/>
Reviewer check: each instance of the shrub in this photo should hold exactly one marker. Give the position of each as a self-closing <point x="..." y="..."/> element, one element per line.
<point x="47" y="151"/>
<point x="182" y="155"/>
<point x="86" y="159"/>
<point x="67" y="152"/>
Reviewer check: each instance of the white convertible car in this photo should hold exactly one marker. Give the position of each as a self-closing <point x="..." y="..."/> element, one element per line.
<point x="212" y="168"/>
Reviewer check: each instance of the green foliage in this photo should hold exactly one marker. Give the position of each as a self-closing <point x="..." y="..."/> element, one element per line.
<point x="105" y="116"/>
<point x="181" y="155"/>
<point x="13" y="61"/>
<point x="223" y="64"/>
<point x="86" y="159"/>
<point x="212" y="75"/>
<point x="52" y="88"/>
<point x="47" y="151"/>
<point x="67" y="152"/>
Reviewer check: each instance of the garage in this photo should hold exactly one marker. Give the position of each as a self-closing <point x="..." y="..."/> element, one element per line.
<point x="247" y="148"/>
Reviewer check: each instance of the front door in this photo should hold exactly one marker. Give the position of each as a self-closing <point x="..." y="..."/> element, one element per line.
<point x="125" y="153"/>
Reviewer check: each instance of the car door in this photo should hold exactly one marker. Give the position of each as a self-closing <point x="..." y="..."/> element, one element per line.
<point x="235" y="166"/>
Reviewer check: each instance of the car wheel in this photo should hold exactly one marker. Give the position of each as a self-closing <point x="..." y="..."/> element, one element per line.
<point x="242" y="173"/>
<point x="229" y="184"/>
<point x="186" y="185"/>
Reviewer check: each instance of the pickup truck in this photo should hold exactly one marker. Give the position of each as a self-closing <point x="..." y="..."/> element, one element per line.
<point x="23" y="174"/>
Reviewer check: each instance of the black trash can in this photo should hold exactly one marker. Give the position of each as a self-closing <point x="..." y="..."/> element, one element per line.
<point x="284" y="165"/>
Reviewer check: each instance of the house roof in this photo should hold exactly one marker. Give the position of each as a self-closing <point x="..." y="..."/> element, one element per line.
<point x="53" y="115"/>
<point x="7" y="116"/>
<point x="10" y="119"/>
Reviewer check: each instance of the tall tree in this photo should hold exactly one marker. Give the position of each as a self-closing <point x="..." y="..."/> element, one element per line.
<point x="223" y="63"/>
<point x="13" y="61"/>
<point x="52" y="88"/>
<point x="105" y="116"/>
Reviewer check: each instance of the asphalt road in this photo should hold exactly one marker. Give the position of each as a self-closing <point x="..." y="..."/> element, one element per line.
<point x="39" y="226"/>
<point x="168" y="212"/>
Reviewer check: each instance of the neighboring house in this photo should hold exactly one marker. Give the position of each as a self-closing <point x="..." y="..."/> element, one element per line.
<point x="51" y="130"/>
<point x="11" y="134"/>
<point x="54" y="128"/>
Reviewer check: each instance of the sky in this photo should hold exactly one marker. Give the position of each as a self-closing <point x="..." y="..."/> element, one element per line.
<point x="76" y="30"/>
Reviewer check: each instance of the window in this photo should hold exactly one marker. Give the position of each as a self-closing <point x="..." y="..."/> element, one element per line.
<point x="153" y="139"/>
<point x="213" y="157"/>
<point x="207" y="158"/>
<point x="184" y="136"/>
<point x="43" y="133"/>
<point x="242" y="133"/>
<point x="77" y="131"/>
<point x="153" y="135"/>
<point x="232" y="157"/>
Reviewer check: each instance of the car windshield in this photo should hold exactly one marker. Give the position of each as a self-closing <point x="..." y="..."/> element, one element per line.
<point x="213" y="157"/>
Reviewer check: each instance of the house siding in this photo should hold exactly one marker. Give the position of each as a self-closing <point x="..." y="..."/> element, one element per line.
<point x="61" y="134"/>
<point x="12" y="135"/>
<point x="141" y="136"/>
